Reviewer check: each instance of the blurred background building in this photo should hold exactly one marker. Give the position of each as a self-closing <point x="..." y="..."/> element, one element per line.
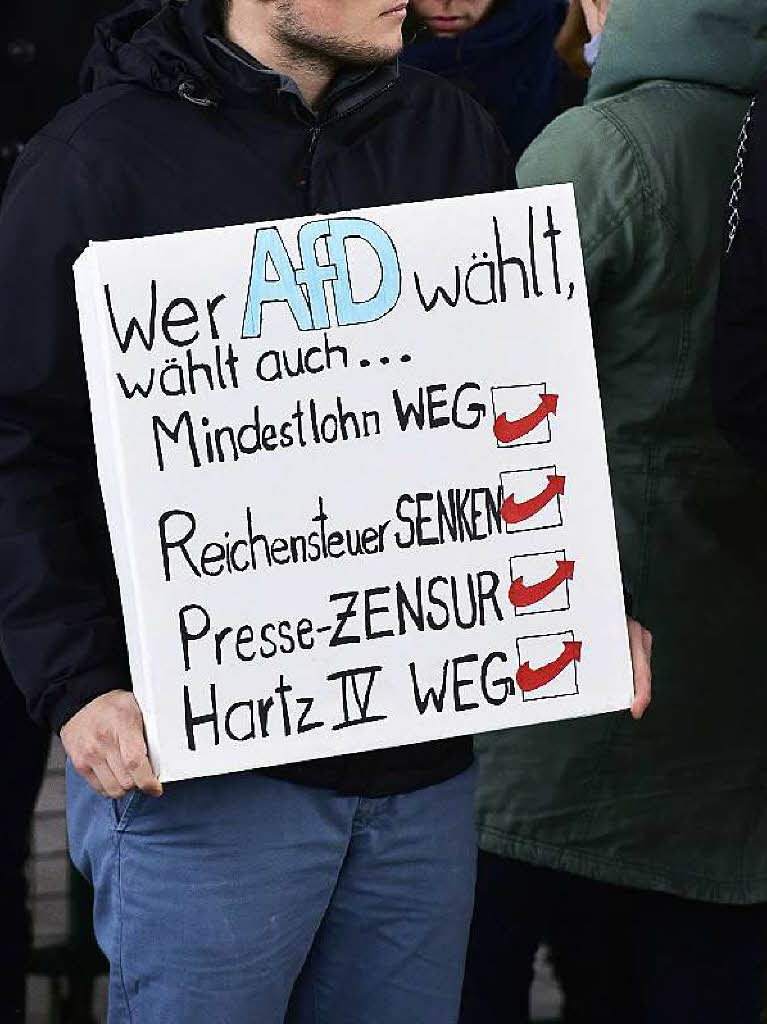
<point x="43" y="45"/>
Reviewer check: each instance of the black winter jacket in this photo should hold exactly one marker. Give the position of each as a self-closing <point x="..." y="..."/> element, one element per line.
<point x="740" y="357"/>
<point x="178" y="131"/>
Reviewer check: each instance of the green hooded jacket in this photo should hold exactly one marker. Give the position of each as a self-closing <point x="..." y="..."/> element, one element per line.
<point x="677" y="802"/>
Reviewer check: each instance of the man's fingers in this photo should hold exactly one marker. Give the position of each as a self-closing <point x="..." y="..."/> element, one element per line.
<point x="137" y="764"/>
<point x="108" y="781"/>
<point x="90" y="777"/>
<point x="642" y="688"/>
<point x="146" y="780"/>
<point x="640" y="641"/>
<point x="93" y="765"/>
<point x="642" y="697"/>
<point x="120" y="772"/>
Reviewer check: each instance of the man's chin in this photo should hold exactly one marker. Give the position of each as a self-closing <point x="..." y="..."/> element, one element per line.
<point x="387" y="56"/>
<point x="373" y="55"/>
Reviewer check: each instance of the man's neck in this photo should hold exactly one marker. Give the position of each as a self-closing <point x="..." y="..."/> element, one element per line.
<point x="312" y="74"/>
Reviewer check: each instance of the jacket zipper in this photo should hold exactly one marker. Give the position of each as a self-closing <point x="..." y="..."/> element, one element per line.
<point x="305" y="180"/>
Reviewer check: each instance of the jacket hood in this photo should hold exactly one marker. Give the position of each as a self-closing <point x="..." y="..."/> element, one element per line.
<point x="157" y="45"/>
<point x="713" y="42"/>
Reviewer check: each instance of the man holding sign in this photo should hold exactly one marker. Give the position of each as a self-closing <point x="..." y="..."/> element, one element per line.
<point x="339" y="888"/>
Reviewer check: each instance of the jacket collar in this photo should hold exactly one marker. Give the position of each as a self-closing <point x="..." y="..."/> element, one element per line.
<point x="352" y="87"/>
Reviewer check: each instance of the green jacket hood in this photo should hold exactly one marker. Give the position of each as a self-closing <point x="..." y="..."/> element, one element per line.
<point x="712" y="42"/>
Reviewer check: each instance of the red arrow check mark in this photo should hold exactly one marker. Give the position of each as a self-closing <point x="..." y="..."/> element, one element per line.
<point x="513" y="512"/>
<point x="522" y="596"/>
<point x="530" y="679"/>
<point x="507" y="431"/>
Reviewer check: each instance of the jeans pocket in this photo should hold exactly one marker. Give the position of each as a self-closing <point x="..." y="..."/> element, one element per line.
<point x="125" y="809"/>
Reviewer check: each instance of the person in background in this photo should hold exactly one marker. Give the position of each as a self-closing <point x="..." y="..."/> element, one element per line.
<point x="640" y="851"/>
<point x="570" y="44"/>
<point x="500" y="51"/>
<point x="740" y="355"/>
<point x="40" y="56"/>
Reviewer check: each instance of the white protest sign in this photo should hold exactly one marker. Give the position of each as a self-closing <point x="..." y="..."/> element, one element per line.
<point x="355" y="476"/>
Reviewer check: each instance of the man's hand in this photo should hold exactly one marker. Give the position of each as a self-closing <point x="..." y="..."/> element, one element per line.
<point x="640" y="642"/>
<point x="105" y="742"/>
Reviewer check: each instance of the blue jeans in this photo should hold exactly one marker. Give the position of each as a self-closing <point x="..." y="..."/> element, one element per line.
<point x="247" y="900"/>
